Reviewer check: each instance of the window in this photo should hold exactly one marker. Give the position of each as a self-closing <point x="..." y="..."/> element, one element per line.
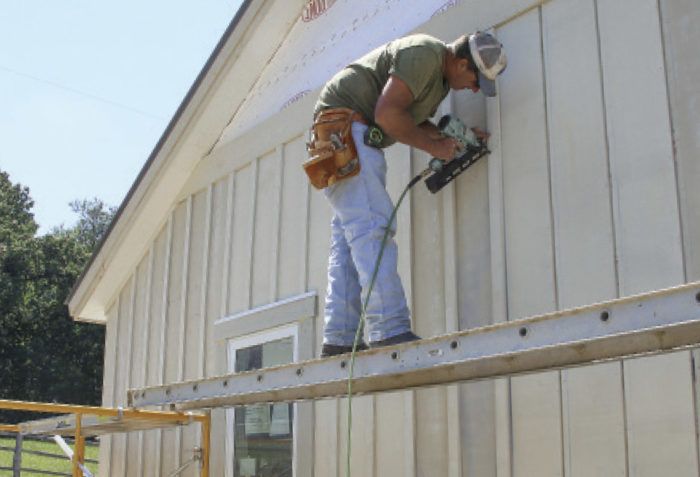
<point x="263" y="440"/>
<point x="262" y="433"/>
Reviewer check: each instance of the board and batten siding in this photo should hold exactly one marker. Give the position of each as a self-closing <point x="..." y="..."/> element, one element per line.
<point x="590" y="193"/>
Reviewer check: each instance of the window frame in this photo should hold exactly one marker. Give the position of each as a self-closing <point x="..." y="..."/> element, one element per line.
<point x="293" y="317"/>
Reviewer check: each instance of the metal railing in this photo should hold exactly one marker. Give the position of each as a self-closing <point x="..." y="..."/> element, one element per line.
<point x="98" y="421"/>
<point x="19" y="450"/>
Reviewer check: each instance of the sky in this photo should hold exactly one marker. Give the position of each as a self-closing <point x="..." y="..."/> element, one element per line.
<point x="87" y="88"/>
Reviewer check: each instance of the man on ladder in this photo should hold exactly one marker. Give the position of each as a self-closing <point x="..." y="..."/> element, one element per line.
<point x="383" y="97"/>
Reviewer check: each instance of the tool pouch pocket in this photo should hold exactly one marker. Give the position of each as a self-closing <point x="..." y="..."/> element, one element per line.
<point x="331" y="148"/>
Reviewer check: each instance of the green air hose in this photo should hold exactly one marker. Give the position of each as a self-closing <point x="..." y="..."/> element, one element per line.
<point x="360" y="326"/>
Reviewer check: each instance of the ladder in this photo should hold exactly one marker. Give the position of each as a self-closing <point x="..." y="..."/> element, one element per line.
<point x="649" y="323"/>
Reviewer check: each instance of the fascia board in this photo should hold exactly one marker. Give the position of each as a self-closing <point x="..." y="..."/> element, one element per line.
<point x="252" y="38"/>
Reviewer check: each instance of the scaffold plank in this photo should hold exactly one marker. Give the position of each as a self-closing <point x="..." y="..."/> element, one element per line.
<point x="655" y="322"/>
<point x="96" y="425"/>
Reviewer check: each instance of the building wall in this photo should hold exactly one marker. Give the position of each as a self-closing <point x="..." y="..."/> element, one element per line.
<point x="589" y="194"/>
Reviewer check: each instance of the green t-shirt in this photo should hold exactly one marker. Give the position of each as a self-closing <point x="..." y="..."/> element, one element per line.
<point x="416" y="59"/>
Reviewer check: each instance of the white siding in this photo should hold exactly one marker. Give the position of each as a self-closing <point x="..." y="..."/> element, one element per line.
<point x="583" y="199"/>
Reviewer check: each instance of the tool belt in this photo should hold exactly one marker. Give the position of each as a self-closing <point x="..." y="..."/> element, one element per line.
<point x="331" y="148"/>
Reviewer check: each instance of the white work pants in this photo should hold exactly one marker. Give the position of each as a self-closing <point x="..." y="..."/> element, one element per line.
<point x="362" y="208"/>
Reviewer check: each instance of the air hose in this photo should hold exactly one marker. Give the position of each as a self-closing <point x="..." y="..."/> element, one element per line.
<point x="360" y="326"/>
<point x="442" y="174"/>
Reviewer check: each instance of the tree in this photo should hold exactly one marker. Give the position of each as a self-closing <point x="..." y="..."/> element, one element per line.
<point x="17" y="253"/>
<point x="44" y="354"/>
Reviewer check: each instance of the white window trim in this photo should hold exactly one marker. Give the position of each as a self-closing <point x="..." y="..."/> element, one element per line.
<point x="266" y="323"/>
<point x="283" y="312"/>
<point x="247" y="341"/>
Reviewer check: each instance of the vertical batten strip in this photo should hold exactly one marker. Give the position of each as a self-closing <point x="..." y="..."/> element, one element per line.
<point x="146" y="338"/>
<point x="453" y="395"/>
<point x="204" y="319"/>
<point x="163" y="330"/>
<point x="110" y="400"/>
<point x="673" y="135"/>
<point x="499" y="288"/>
<point x="183" y="317"/>
<point x="128" y="356"/>
<point x="164" y="297"/>
<point x="304" y="245"/>
<point x="612" y="191"/>
<point x="612" y="197"/>
<point x="406" y="217"/>
<point x="552" y="229"/>
<point x="227" y="246"/>
<point x="204" y="282"/>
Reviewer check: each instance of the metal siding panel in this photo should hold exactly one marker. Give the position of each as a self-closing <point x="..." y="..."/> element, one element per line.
<point x="661" y="431"/>
<point x="593" y="409"/>
<point x="536" y="401"/>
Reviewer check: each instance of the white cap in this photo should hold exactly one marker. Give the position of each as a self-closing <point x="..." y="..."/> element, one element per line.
<point x="489" y="58"/>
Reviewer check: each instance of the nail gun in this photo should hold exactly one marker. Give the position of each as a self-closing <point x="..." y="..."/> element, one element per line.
<point x="471" y="149"/>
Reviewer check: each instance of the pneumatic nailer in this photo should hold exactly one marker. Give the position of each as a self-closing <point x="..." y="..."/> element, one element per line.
<point x="471" y="149"/>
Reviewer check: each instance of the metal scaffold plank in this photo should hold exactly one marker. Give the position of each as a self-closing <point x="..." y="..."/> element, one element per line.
<point x="655" y="322"/>
<point x="97" y="425"/>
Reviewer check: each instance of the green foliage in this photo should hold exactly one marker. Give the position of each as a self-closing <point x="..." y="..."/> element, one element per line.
<point x="44" y="354"/>
<point x="33" y="461"/>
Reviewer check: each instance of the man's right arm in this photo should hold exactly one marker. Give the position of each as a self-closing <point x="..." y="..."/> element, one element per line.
<point x="393" y="116"/>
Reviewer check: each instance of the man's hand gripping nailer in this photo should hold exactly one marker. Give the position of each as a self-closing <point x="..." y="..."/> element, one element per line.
<point x="471" y="150"/>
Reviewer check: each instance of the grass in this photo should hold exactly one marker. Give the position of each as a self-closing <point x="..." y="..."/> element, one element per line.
<point x="31" y="461"/>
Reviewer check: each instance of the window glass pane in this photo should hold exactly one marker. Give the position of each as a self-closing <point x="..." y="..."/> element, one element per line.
<point x="263" y="432"/>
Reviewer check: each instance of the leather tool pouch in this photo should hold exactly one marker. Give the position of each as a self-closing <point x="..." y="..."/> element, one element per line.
<point x="332" y="152"/>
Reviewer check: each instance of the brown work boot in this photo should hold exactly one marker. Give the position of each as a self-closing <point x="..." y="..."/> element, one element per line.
<point x="328" y="350"/>
<point x="402" y="338"/>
